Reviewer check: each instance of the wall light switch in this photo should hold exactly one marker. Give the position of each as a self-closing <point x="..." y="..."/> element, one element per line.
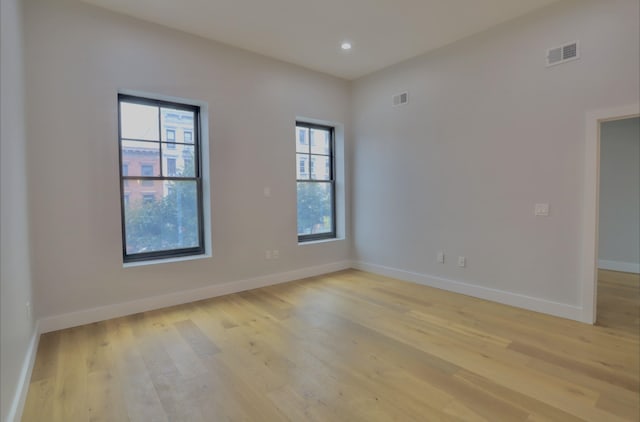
<point x="542" y="210"/>
<point x="267" y="191"/>
<point x="462" y="261"/>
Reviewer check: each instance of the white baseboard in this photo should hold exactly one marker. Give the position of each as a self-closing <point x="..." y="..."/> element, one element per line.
<point x="88" y="316"/>
<point x="562" y="310"/>
<point x="625" y="267"/>
<point x="17" y="405"/>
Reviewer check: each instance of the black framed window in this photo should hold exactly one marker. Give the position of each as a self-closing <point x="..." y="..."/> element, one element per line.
<point x="161" y="191"/>
<point x="315" y="182"/>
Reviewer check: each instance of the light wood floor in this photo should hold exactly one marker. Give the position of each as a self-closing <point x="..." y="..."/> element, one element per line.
<point x="349" y="346"/>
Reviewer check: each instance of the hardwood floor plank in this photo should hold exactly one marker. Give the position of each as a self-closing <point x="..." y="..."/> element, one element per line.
<point x="202" y="345"/>
<point x="141" y="399"/>
<point x="349" y="346"/>
<point x="48" y="346"/>
<point x="40" y="400"/>
<point x="104" y="398"/>
<point x="70" y="392"/>
<point x="627" y="381"/>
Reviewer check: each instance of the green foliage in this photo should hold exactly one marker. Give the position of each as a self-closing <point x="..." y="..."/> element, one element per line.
<point x="314" y="208"/>
<point x="168" y="222"/>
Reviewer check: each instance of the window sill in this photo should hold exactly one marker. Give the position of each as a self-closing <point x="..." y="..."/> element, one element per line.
<point x="315" y="242"/>
<point x="165" y="260"/>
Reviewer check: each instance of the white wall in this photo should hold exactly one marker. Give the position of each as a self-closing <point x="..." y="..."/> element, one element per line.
<point x="619" y="227"/>
<point x="78" y="56"/>
<point x="489" y="131"/>
<point x="17" y="328"/>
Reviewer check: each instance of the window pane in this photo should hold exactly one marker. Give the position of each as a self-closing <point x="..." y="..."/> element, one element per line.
<point x="320" y="167"/>
<point x="184" y="156"/>
<point x="314" y="208"/>
<point x="176" y="124"/>
<point x="302" y="139"/>
<point x="139" y="157"/>
<point x="319" y="141"/>
<point x="163" y="217"/>
<point x="302" y="166"/>
<point x="139" y="121"/>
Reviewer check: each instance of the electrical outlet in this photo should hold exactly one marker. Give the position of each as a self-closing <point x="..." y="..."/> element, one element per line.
<point x="462" y="261"/>
<point x="440" y="257"/>
<point x="275" y="254"/>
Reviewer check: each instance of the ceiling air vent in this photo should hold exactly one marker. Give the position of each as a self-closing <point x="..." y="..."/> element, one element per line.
<point x="400" y="99"/>
<point x="563" y="54"/>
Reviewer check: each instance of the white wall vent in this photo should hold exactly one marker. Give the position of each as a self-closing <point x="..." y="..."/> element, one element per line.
<point x="400" y="99"/>
<point x="563" y="54"/>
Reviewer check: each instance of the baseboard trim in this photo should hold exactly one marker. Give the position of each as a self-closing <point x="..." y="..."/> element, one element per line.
<point x="562" y="310"/>
<point x="88" y="316"/>
<point x="625" y="267"/>
<point x="17" y="405"/>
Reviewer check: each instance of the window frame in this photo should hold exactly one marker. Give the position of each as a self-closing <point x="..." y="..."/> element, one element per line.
<point x="197" y="177"/>
<point x="331" y="182"/>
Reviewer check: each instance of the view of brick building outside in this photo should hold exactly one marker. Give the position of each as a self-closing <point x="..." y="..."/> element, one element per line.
<point x="143" y="158"/>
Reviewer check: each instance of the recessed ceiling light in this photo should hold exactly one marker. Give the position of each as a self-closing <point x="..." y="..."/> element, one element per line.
<point x="346" y="46"/>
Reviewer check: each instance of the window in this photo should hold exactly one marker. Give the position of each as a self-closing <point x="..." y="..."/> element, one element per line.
<point x="171" y="137"/>
<point x="146" y="170"/>
<point x="302" y="136"/>
<point x="303" y="168"/>
<point x="171" y="166"/>
<point x="162" y="210"/>
<point x="315" y="188"/>
<point x="188" y="136"/>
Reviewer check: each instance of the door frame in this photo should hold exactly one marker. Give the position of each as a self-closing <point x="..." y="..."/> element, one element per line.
<point x="591" y="197"/>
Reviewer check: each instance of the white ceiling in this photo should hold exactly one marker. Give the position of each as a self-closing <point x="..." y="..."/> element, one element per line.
<point x="309" y="32"/>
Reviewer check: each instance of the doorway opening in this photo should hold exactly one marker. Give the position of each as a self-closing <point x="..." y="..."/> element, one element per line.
<point x="591" y="209"/>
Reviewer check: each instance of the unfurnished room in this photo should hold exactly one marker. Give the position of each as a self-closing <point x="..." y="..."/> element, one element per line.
<point x="294" y="210"/>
